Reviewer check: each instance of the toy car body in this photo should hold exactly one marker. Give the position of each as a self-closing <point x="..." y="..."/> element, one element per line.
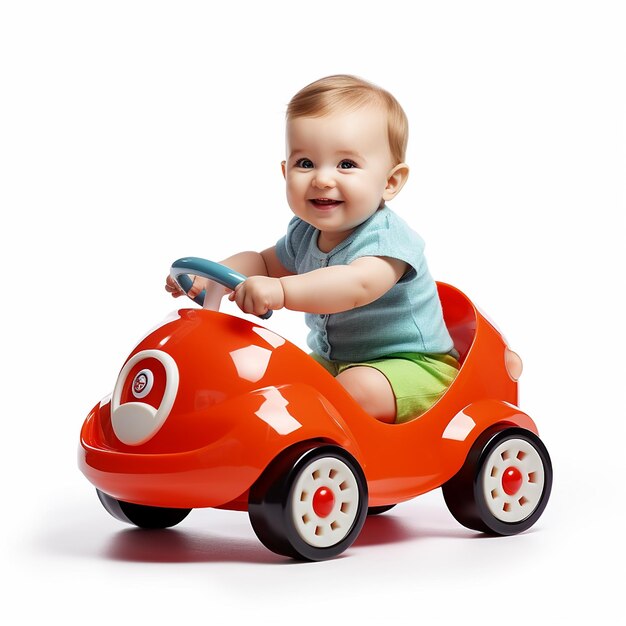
<point x="211" y="410"/>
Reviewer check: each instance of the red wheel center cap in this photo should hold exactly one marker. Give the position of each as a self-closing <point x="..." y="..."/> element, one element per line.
<point x="323" y="502"/>
<point x="512" y="481"/>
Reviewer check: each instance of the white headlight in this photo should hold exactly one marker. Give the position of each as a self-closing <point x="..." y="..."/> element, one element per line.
<point x="513" y="364"/>
<point x="133" y="422"/>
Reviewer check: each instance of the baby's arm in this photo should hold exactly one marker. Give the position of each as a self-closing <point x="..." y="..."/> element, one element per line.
<point x="342" y="287"/>
<point x="248" y="263"/>
<point x="326" y="290"/>
<point x="263" y="263"/>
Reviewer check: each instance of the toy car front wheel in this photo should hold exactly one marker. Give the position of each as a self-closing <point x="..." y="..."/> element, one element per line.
<point x="505" y="483"/>
<point x="140" y="515"/>
<point x="377" y="510"/>
<point x="310" y="503"/>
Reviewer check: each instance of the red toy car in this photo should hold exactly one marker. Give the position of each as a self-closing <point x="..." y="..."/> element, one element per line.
<point x="211" y="410"/>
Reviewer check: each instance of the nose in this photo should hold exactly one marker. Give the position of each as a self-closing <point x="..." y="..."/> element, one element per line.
<point x="324" y="178"/>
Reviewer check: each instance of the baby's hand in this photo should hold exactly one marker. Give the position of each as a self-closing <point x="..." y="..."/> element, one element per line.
<point x="258" y="295"/>
<point x="199" y="283"/>
<point x="171" y="286"/>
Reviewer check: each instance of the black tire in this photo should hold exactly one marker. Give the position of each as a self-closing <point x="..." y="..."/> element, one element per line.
<point x="292" y="512"/>
<point x="377" y="510"/>
<point x="151" y="517"/>
<point x="505" y="483"/>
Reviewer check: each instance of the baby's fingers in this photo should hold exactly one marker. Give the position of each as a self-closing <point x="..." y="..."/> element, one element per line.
<point x="232" y="296"/>
<point x="196" y="287"/>
<point x="172" y="287"/>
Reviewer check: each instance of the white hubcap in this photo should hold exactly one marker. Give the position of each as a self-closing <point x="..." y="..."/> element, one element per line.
<point x="325" y="502"/>
<point x="513" y="480"/>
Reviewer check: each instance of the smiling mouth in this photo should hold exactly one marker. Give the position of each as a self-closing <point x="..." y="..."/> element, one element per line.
<point x="325" y="203"/>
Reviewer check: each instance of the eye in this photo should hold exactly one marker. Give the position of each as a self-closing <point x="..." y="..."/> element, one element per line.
<point x="143" y="396"/>
<point x="346" y="164"/>
<point x="304" y="163"/>
<point x="145" y="382"/>
<point x="142" y="383"/>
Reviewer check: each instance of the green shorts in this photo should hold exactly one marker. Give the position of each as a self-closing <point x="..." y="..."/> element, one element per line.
<point x="417" y="380"/>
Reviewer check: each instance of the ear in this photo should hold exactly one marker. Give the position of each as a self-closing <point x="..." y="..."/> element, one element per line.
<point x="283" y="165"/>
<point x="395" y="181"/>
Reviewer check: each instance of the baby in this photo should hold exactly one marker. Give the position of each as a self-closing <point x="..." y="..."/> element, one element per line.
<point x="354" y="267"/>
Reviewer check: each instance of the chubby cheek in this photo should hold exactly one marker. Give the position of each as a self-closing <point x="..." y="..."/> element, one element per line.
<point x="296" y="193"/>
<point x="359" y="192"/>
<point x="373" y="193"/>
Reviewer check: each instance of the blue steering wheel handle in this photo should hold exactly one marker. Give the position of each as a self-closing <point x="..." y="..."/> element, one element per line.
<point x="217" y="272"/>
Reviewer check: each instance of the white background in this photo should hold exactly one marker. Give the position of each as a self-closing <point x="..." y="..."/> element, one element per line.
<point x="133" y="133"/>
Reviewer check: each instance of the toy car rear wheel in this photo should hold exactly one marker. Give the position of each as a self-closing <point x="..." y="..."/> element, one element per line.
<point x="310" y="503"/>
<point x="505" y="483"/>
<point x="140" y="515"/>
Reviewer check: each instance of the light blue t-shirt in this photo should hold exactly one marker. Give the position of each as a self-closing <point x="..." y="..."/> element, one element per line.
<point x="408" y="318"/>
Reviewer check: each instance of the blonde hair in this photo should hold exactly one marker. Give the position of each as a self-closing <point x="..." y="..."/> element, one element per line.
<point x="343" y="92"/>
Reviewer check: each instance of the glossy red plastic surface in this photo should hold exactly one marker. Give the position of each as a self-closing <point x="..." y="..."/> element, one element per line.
<point x="245" y="394"/>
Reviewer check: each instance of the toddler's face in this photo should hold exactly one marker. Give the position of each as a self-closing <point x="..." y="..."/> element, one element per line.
<point x="337" y="169"/>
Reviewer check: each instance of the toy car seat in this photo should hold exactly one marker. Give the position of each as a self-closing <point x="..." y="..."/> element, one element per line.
<point x="460" y="318"/>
